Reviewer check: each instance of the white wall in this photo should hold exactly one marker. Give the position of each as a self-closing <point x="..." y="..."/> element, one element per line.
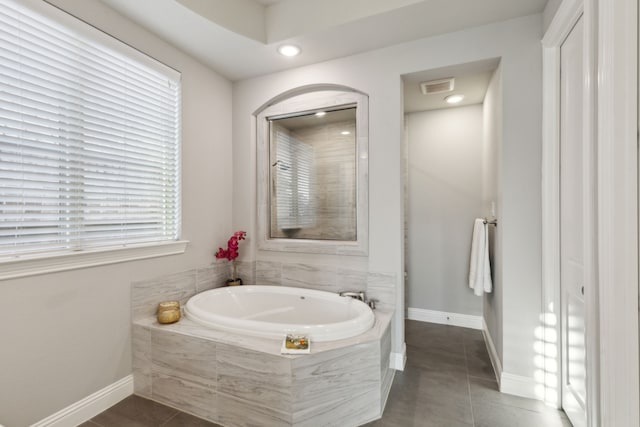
<point x="492" y="195"/>
<point x="67" y="335"/>
<point x="377" y="73"/>
<point x="445" y="195"/>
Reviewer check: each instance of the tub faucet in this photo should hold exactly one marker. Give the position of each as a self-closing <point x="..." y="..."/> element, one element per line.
<point x="356" y="295"/>
<point x="360" y="296"/>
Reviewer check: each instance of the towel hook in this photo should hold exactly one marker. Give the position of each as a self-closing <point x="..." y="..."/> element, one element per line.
<point x="491" y="222"/>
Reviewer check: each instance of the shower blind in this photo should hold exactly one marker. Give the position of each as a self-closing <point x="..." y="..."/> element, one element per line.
<point x="293" y="176"/>
<point x="89" y="137"/>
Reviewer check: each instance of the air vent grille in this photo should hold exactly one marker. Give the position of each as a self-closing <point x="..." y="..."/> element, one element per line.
<point x="437" y="86"/>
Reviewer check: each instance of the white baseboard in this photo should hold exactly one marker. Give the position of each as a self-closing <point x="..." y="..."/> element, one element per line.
<point x="397" y="361"/>
<point x="90" y="406"/>
<point x="509" y="383"/>
<point x="519" y="386"/>
<point x="444" y="318"/>
<point x="493" y="354"/>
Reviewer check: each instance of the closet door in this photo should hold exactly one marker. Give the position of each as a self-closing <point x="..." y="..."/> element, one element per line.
<point x="572" y="235"/>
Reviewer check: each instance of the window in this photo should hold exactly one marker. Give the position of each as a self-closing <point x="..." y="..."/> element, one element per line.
<point x="89" y="138"/>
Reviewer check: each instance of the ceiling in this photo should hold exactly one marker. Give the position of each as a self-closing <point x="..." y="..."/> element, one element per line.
<point x="239" y="38"/>
<point x="471" y="80"/>
<point x="312" y="119"/>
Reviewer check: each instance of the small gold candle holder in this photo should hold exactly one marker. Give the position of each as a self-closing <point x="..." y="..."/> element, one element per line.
<point x="168" y="312"/>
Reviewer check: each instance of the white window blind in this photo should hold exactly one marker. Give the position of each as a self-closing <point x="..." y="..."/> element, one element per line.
<point x="89" y="137"/>
<point x="293" y="180"/>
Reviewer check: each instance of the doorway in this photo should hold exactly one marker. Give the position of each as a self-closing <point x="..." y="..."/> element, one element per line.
<point x="450" y="155"/>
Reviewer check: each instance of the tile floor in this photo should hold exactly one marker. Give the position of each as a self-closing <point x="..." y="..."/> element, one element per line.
<point x="448" y="382"/>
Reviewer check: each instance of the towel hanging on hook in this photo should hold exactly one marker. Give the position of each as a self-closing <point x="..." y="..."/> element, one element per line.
<point x="479" y="266"/>
<point x="490" y="222"/>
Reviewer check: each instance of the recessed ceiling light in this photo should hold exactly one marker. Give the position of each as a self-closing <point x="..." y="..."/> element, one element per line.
<point x="345" y="132"/>
<point x="289" y="50"/>
<point x="454" y="99"/>
<point x="321" y="113"/>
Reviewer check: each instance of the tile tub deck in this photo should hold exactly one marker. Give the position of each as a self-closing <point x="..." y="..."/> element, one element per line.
<point x="237" y="380"/>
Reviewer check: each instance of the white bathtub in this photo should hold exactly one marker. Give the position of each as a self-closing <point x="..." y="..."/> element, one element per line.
<point x="274" y="311"/>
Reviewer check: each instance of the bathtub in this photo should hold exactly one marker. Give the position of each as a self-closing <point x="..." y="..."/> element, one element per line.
<point x="274" y="311"/>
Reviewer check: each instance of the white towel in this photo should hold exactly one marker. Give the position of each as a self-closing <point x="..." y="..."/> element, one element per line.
<point x="479" y="268"/>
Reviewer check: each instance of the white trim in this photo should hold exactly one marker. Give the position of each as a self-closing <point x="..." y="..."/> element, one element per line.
<point x="519" y="386"/>
<point x="618" y="212"/>
<point x="398" y="361"/>
<point x="590" y="131"/>
<point x="493" y="354"/>
<point x="90" y="406"/>
<point x="565" y="18"/>
<point x="22" y="267"/>
<point x="445" y="318"/>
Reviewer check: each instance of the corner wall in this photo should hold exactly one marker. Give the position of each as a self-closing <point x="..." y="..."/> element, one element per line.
<point x="492" y="174"/>
<point x="377" y="73"/>
<point x="67" y="335"/>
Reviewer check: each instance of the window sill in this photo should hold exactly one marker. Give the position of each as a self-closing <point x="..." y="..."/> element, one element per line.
<point x="23" y="267"/>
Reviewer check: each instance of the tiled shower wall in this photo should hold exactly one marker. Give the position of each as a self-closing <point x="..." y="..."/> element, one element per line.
<point x="332" y="178"/>
<point x="332" y="278"/>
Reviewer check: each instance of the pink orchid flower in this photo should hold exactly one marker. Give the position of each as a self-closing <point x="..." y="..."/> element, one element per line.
<point x="231" y="253"/>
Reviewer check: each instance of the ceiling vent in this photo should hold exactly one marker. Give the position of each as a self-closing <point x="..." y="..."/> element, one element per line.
<point x="437" y="86"/>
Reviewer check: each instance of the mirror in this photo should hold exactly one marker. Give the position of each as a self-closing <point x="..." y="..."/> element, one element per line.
<point x="313" y="169"/>
<point x="313" y="175"/>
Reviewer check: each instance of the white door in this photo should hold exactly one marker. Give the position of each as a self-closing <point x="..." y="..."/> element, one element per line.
<point x="572" y="227"/>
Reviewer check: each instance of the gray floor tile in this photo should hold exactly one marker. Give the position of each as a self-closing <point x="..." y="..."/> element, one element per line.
<point x="185" y="420"/>
<point x="135" y="411"/>
<point x="478" y="361"/>
<point x="484" y="392"/>
<point x="397" y="416"/>
<point x="489" y="415"/>
<point x="435" y="359"/>
<point x="436" y="335"/>
<point x="436" y="421"/>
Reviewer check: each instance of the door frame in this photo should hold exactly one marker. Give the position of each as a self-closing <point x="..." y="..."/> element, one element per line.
<point x="617" y="163"/>
<point x="611" y="173"/>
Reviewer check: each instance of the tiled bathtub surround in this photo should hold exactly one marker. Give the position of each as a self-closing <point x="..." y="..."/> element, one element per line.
<point x="146" y="295"/>
<point x="236" y="380"/>
<point x="331" y="278"/>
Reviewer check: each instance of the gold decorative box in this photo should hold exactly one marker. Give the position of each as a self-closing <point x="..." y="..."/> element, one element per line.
<point x="168" y="312"/>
